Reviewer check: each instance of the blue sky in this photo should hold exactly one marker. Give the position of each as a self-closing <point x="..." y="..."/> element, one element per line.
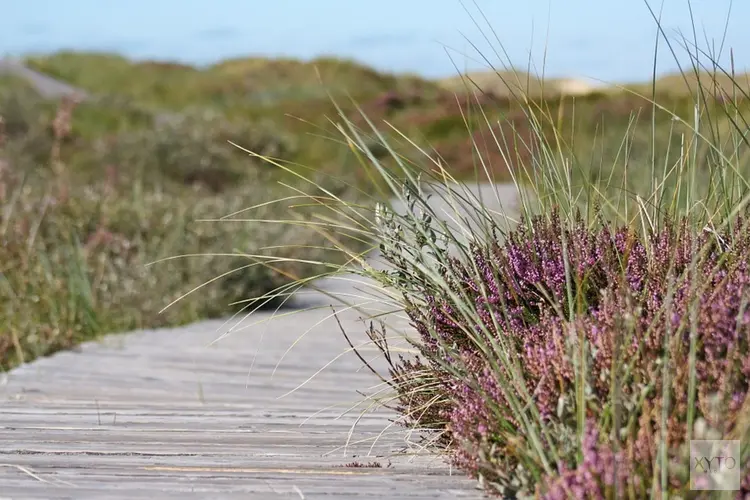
<point x="608" y="39"/>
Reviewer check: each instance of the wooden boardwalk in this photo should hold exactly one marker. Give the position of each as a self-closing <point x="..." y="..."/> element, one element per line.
<point x="46" y="86"/>
<point x="170" y="414"/>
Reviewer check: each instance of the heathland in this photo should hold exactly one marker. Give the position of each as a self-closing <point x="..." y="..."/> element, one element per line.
<point x="94" y="191"/>
<point x="572" y="357"/>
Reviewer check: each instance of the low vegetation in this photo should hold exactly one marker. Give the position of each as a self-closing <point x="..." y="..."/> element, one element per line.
<point x="573" y="354"/>
<point x="576" y="352"/>
<point x="98" y="202"/>
<point x="93" y="191"/>
<point x="297" y="98"/>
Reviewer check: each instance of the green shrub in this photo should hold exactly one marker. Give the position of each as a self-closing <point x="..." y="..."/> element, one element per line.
<point x="195" y="149"/>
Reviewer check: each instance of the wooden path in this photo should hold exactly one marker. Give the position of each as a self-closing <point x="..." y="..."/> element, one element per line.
<point x="167" y="414"/>
<point x="157" y="414"/>
<point x="46" y="86"/>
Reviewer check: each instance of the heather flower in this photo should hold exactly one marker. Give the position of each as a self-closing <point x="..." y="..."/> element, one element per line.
<point x="601" y="472"/>
<point x="636" y="299"/>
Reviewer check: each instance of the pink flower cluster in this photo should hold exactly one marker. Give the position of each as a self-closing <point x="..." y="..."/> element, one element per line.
<point x="626" y="305"/>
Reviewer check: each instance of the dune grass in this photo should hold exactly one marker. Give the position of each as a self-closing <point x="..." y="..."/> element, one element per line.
<point x="99" y="199"/>
<point x="575" y="351"/>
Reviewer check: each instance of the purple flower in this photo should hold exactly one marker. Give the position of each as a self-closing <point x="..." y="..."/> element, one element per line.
<point x="634" y="295"/>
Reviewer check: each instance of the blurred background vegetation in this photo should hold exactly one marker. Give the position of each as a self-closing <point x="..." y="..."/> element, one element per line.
<point x="93" y="191"/>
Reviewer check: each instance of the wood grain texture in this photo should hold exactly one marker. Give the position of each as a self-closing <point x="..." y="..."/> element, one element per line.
<point x="170" y="413"/>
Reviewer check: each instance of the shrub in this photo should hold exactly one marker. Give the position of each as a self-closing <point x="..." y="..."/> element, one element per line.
<point x="626" y="305"/>
<point x="193" y="149"/>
